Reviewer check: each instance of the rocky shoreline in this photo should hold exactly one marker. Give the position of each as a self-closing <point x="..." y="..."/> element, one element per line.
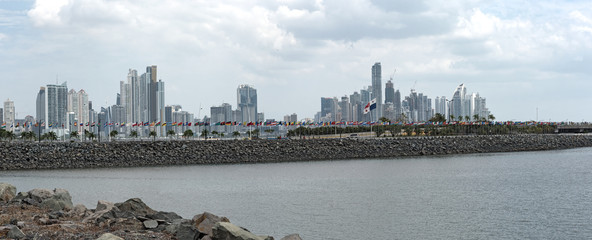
<point x="63" y="155"/>
<point x="50" y="214"/>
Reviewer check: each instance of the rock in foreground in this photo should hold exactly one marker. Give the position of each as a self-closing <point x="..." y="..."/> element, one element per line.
<point x="46" y="214"/>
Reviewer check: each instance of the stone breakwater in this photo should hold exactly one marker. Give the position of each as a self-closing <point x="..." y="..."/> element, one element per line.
<point x="61" y="155"/>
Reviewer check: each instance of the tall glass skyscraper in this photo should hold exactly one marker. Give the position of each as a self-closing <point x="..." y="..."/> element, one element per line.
<point x="56" y="103"/>
<point x="247" y="103"/>
<point x="377" y="90"/>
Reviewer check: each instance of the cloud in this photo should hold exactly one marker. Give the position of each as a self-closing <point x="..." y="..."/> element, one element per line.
<point x="297" y="50"/>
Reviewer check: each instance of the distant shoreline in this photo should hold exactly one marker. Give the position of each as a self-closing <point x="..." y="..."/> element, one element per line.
<point x="72" y="155"/>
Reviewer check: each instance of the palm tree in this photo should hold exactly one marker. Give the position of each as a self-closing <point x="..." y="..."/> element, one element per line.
<point x="384" y="119"/>
<point x="438" y="118"/>
<point x="188" y="133"/>
<point x="153" y="135"/>
<point x="91" y="135"/>
<point x="215" y="133"/>
<point x="491" y="117"/>
<point x="255" y="133"/>
<point x="28" y="135"/>
<point x="73" y="134"/>
<point x="171" y="133"/>
<point x="113" y="134"/>
<point x="134" y="134"/>
<point x="10" y="135"/>
<point x="452" y="117"/>
<point x="204" y="133"/>
<point x="86" y="134"/>
<point x="467" y="118"/>
<point x="236" y="134"/>
<point x="476" y="117"/>
<point x="52" y="136"/>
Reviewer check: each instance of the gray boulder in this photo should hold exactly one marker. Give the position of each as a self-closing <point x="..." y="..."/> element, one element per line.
<point x="15" y="233"/>
<point x="292" y="237"/>
<point x="106" y="212"/>
<point x="205" y="222"/>
<point x="59" y="199"/>
<point x="183" y="229"/>
<point x="104" y="205"/>
<point x="109" y="236"/>
<point x="39" y="194"/>
<point x="79" y="210"/>
<point x="134" y="207"/>
<point x="150" y="224"/>
<point x="7" y="192"/>
<point x="229" y="231"/>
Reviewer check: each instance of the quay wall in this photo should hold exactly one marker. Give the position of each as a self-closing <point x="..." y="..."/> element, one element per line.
<point x="64" y="155"/>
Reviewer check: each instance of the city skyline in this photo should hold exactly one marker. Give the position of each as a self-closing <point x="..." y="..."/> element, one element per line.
<point x="528" y="59"/>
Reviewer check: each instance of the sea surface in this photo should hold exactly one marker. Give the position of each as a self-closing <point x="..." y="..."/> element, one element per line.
<point x="524" y="195"/>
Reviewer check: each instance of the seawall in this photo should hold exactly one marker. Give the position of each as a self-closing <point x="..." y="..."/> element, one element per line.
<point x="62" y="155"/>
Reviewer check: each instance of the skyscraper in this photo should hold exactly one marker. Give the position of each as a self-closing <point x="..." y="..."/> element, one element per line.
<point x="247" y="103"/>
<point x="328" y="109"/>
<point x="56" y="105"/>
<point x="9" y="113"/>
<point x="377" y="90"/>
<point x="153" y="106"/>
<point x="389" y="92"/>
<point x="1" y="115"/>
<point x="41" y="107"/>
<point x="440" y="106"/>
<point x="457" y="104"/>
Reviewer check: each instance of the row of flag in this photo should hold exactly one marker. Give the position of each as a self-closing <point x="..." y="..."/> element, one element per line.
<point x="281" y="123"/>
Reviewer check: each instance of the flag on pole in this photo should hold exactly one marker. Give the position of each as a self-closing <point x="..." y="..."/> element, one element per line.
<point x="370" y="106"/>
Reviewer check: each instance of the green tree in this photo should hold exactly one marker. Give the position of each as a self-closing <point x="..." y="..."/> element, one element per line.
<point x="491" y="117"/>
<point x="171" y="133"/>
<point x="215" y="133"/>
<point x="467" y="118"/>
<point x="91" y="136"/>
<point x="74" y="134"/>
<point x="153" y="135"/>
<point x="476" y="117"/>
<point x="134" y="134"/>
<point x="452" y="117"/>
<point x="236" y="134"/>
<point x="28" y="135"/>
<point x="384" y="119"/>
<point x="113" y="134"/>
<point x="188" y="133"/>
<point x="204" y="134"/>
<point x="438" y="118"/>
<point x="51" y="136"/>
<point x="86" y="134"/>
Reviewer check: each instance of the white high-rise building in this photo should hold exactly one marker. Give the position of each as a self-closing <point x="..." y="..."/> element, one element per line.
<point x="56" y="105"/>
<point x="465" y="105"/>
<point x="440" y="106"/>
<point x="9" y="114"/>
<point x="377" y="90"/>
<point x="247" y="103"/>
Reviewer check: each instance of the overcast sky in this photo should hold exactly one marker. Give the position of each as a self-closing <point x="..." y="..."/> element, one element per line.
<point x="519" y="55"/>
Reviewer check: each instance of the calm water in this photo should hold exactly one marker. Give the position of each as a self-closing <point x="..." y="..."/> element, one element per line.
<point x="486" y="196"/>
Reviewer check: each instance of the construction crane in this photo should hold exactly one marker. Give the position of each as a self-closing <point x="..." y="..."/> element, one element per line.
<point x="413" y="88"/>
<point x="393" y="75"/>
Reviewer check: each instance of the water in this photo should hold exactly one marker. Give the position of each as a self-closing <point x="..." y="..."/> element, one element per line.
<point x="480" y="196"/>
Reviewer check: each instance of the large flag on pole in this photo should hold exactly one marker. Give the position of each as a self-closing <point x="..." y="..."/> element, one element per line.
<point x="370" y="106"/>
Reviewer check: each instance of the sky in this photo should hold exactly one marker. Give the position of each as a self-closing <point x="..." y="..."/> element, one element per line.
<point x="529" y="59"/>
